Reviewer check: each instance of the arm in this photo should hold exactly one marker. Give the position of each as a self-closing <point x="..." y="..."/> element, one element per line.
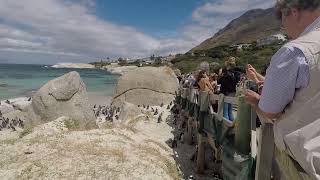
<point x="253" y="74"/>
<point x="253" y="99"/>
<point x="259" y="77"/>
<point x="281" y="82"/>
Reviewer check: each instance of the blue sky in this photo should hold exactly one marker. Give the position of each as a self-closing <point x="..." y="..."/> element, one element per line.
<point x="157" y="18"/>
<point x="51" y="31"/>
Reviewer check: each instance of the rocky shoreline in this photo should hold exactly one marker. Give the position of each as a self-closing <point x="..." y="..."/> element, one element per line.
<point x="63" y="133"/>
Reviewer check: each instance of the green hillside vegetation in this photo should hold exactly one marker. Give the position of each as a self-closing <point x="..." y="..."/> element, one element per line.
<point x="259" y="57"/>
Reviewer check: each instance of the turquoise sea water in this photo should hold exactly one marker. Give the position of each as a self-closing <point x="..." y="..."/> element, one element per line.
<point x="20" y="80"/>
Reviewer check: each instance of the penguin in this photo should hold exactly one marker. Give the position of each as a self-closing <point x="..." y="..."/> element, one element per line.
<point x="7" y="101"/>
<point x="181" y="137"/>
<point x="117" y="117"/>
<point x="194" y="156"/>
<point x="148" y="107"/>
<point x="161" y="105"/>
<point x="97" y="113"/>
<point x="0" y="114"/>
<point x="95" y="106"/>
<point x="152" y="110"/>
<point x="156" y="112"/>
<point x="29" y="99"/>
<point x="21" y="123"/>
<point x="174" y="143"/>
<point x="168" y="107"/>
<point x="12" y="127"/>
<point x="144" y="106"/>
<point x="191" y="177"/>
<point x="14" y="122"/>
<point x="159" y="119"/>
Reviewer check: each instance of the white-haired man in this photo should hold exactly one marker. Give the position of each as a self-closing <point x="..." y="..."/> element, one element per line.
<point x="291" y="91"/>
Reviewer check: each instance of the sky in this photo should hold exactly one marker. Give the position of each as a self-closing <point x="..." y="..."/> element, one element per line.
<point x="52" y="31"/>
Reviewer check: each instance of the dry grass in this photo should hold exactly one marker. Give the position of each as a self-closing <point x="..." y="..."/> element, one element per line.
<point x="72" y="124"/>
<point x="131" y="125"/>
<point x="107" y="125"/>
<point x="8" y="142"/>
<point x="158" y="144"/>
<point x="25" y="132"/>
<point x="168" y="165"/>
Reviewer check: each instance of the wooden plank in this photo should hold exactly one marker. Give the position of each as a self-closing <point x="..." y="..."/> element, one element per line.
<point x="231" y="100"/>
<point x="201" y="154"/>
<point x="214" y="97"/>
<point x="220" y="106"/>
<point x="253" y="133"/>
<point x="265" y="153"/>
<point x="217" y="151"/>
<point x="204" y="101"/>
<point x="193" y="94"/>
<point x="189" y="131"/>
<point x="227" y="122"/>
<point x="188" y="94"/>
<point x="184" y="93"/>
<point x="253" y="143"/>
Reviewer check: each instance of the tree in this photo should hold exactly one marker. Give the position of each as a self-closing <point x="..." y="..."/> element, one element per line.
<point x="152" y="57"/>
<point x="122" y="61"/>
<point x="158" y="61"/>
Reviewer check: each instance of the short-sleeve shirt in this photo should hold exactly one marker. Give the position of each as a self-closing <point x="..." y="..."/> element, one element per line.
<point x="287" y="72"/>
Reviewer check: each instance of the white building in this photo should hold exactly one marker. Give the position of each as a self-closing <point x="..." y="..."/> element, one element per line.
<point x="271" y="39"/>
<point x="241" y="46"/>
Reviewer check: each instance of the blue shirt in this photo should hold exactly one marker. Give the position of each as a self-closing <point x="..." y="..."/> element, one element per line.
<point x="287" y="72"/>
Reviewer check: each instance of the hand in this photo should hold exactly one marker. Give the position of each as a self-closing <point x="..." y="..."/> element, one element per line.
<point x="252" y="98"/>
<point x="251" y="73"/>
<point x="260" y="83"/>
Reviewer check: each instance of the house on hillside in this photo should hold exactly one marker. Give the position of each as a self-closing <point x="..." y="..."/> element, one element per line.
<point x="241" y="46"/>
<point x="276" y="38"/>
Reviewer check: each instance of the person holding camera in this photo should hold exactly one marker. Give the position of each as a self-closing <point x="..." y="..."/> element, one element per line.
<point x="290" y="97"/>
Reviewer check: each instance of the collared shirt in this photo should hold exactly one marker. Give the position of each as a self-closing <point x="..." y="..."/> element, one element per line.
<point x="287" y="72"/>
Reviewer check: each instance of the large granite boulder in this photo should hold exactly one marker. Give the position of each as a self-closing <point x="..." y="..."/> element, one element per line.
<point x="146" y="85"/>
<point x="128" y="112"/>
<point x="63" y="96"/>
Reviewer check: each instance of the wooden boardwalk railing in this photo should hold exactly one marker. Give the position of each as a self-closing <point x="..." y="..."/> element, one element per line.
<point x="198" y="106"/>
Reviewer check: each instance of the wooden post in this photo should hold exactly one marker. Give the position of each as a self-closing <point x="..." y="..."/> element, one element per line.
<point x="265" y="152"/>
<point x="201" y="154"/>
<point x="253" y="133"/>
<point x="243" y="127"/>
<point x="188" y="134"/>
<point x="204" y="106"/>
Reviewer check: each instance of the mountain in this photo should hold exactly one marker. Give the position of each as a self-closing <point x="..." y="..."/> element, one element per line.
<point x="251" y="26"/>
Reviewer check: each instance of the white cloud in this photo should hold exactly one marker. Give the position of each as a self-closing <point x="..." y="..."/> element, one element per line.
<point x="209" y="13"/>
<point x="65" y="28"/>
<point x="68" y="30"/>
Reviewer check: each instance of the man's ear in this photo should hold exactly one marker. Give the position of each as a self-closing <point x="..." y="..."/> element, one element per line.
<point x="296" y="13"/>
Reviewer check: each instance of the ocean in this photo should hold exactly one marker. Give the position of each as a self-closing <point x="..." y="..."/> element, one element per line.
<point x="18" y="80"/>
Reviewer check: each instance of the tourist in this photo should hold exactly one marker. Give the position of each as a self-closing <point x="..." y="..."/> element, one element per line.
<point x="214" y="82"/>
<point x="229" y="78"/>
<point x="291" y="94"/>
<point x="203" y="82"/>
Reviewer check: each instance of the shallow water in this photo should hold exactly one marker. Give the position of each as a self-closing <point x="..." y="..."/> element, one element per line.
<point x="20" y="80"/>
